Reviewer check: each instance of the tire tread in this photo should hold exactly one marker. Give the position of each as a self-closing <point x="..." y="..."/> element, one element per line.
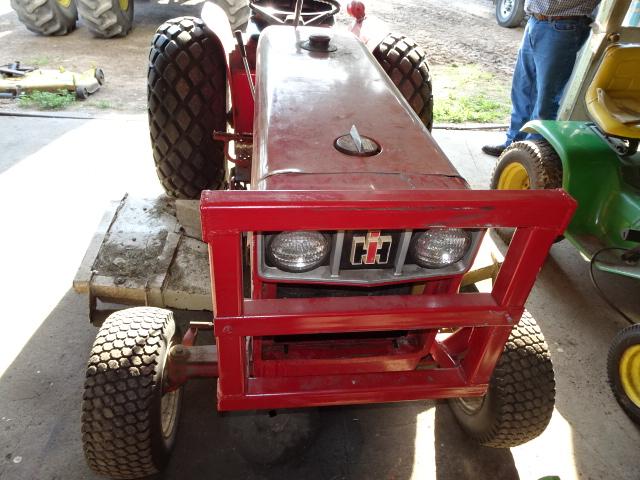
<point x="186" y="102"/>
<point x="406" y="64"/>
<point x="118" y="392"/>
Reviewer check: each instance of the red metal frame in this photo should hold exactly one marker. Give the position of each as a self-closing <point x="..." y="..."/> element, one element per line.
<point x="459" y="365"/>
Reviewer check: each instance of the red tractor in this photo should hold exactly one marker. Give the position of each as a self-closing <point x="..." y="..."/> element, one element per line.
<point x="337" y="244"/>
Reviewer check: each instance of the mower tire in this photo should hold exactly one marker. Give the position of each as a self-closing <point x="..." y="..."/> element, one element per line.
<point x="47" y="17"/>
<point x="526" y="165"/>
<point x="186" y="92"/>
<point x="623" y="369"/>
<point x="107" y="18"/>
<point x="510" y="13"/>
<point x="521" y="395"/>
<point x="128" y="424"/>
<point x="406" y="65"/>
<point x="270" y="437"/>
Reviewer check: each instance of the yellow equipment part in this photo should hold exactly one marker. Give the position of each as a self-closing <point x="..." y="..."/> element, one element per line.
<point x="48" y="80"/>
<point x="630" y="373"/>
<point x="613" y="98"/>
<point x="514" y="177"/>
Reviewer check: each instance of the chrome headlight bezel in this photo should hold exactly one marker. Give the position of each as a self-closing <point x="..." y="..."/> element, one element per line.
<point x="296" y="263"/>
<point x="330" y="271"/>
<point x="460" y="241"/>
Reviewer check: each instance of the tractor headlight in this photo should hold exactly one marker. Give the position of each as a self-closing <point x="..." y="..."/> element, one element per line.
<point x="298" y="251"/>
<point x="440" y="247"/>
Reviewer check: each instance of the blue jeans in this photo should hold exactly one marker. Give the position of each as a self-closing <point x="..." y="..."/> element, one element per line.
<point x="545" y="62"/>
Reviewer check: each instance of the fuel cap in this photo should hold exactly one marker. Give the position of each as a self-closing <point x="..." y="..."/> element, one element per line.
<point x="319" y="42"/>
<point x="357" y="145"/>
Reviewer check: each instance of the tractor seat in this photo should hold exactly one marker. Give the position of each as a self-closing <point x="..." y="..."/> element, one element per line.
<point x="613" y="98"/>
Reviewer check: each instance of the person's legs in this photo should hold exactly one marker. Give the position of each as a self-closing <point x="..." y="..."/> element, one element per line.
<point x="523" y="92"/>
<point x="555" y="48"/>
<point x="523" y="86"/>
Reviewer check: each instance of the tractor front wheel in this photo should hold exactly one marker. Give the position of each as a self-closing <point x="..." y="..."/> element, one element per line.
<point x="521" y="395"/>
<point x="107" y="18"/>
<point x="128" y="424"/>
<point x="406" y="64"/>
<point x="623" y="368"/>
<point x="47" y="17"/>
<point x="186" y="91"/>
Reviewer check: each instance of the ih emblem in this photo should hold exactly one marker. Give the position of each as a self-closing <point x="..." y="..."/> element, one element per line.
<point x="372" y="249"/>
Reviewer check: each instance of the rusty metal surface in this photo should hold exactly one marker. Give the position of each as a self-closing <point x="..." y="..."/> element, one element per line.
<point x="306" y="100"/>
<point x="141" y="256"/>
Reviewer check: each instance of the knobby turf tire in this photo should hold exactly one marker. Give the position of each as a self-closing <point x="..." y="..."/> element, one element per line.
<point x="237" y="11"/>
<point x="538" y="157"/>
<point x="521" y="395"/>
<point x="406" y="64"/>
<point x="46" y="17"/>
<point x="122" y="431"/>
<point x="625" y="339"/>
<point x="543" y="166"/>
<point x="186" y="92"/>
<point x="106" y="18"/>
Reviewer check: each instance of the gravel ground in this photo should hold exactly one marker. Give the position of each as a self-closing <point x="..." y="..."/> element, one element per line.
<point x="453" y="32"/>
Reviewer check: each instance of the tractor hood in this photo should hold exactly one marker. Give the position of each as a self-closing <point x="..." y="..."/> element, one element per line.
<point x="321" y="108"/>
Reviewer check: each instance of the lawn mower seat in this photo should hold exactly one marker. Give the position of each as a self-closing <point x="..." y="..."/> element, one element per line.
<point x="613" y="98"/>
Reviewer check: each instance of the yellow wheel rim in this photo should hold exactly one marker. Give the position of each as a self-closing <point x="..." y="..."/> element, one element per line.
<point x="124" y="5"/>
<point x="64" y="3"/>
<point x="514" y="177"/>
<point x="630" y="373"/>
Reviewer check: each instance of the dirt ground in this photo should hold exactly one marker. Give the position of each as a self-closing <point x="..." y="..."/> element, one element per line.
<point x="455" y="32"/>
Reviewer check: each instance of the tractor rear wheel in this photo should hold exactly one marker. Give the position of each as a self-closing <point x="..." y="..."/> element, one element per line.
<point x="406" y="64"/>
<point x="519" y="402"/>
<point x="47" y="17"/>
<point x="623" y="369"/>
<point x="526" y="165"/>
<point x="186" y="91"/>
<point x="107" y="18"/>
<point x="237" y="11"/>
<point x="128" y="424"/>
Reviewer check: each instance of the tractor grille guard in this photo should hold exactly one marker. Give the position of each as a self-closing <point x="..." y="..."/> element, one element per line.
<point x="464" y="361"/>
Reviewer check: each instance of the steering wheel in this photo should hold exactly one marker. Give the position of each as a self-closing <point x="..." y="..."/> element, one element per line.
<point x="314" y="12"/>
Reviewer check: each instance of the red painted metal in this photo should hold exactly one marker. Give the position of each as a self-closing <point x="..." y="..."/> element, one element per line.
<point x="457" y="366"/>
<point x="187" y="361"/>
<point x="241" y="100"/>
<point x="293" y="150"/>
<point x="357" y="10"/>
<point x="295" y="352"/>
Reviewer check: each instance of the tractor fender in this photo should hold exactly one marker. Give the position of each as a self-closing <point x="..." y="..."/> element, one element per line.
<point x="591" y="175"/>
<point x="370" y="30"/>
<point x="215" y="18"/>
<point x="580" y="149"/>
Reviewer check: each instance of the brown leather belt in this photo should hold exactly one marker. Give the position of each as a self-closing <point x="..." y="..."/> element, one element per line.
<point x="546" y="18"/>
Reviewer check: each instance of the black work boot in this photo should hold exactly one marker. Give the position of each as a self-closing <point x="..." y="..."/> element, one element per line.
<point x="494" y="150"/>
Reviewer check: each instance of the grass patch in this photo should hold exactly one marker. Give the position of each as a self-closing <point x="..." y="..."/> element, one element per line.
<point x="40" y="61"/>
<point x="47" y="100"/>
<point x="474" y="108"/>
<point x="102" y="104"/>
<point x="469" y="94"/>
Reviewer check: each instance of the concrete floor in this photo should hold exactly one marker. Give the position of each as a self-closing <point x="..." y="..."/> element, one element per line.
<point x="56" y="178"/>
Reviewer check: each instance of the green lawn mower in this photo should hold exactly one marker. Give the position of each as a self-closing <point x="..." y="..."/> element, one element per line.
<point x="597" y="162"/>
